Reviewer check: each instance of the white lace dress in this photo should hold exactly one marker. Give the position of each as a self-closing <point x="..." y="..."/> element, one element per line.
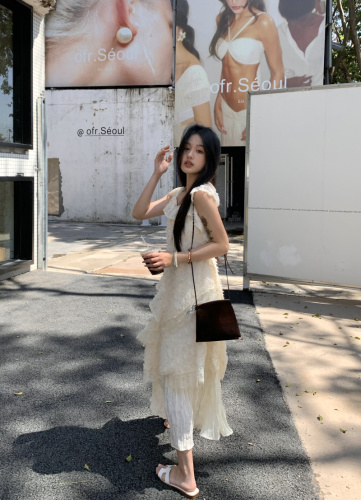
<point x="172" y="356"/>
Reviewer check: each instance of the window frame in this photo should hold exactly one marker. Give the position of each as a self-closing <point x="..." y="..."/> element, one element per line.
<point x="23" y="74"/>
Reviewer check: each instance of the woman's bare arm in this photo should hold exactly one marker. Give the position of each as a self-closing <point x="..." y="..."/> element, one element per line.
<point x="218" y="114"/>
<point x="208" y="212"/>
<point x="218" y="245"/>
<point x="202" y="114"/>
<point x="272" y="46"/>
<point x="145" y="208"/>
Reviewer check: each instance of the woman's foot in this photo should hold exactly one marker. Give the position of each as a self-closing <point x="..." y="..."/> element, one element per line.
<point x="174" y="477"/>
<point x="166" y="423"/>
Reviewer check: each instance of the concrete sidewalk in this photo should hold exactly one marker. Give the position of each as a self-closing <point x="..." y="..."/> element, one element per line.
<point x="112" y="249"/>
<point x="312" y="334"/>
<point x="74" y="408"/>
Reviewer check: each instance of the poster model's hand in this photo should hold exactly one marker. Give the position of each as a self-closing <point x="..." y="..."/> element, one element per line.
<point x="162" y="161"/>
<point x="218" y="115"/>
<point x="299" y="81"/>
<point x="243" y="136"/>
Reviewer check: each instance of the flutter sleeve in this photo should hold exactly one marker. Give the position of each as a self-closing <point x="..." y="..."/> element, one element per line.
<point x="170" y="210"/>
<point x="209" y="189"/>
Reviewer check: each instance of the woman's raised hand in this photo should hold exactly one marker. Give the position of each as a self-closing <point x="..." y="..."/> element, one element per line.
<point x="162" y="161"/>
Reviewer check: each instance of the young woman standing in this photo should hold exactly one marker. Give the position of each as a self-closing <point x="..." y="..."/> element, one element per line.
<point x="186" y="376"/>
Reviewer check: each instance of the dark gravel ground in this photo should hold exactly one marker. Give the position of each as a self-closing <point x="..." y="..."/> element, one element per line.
<point x="68" y="345"/>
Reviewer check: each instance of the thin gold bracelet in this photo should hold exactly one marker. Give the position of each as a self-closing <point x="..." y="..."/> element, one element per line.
<point x="189" y="256"/>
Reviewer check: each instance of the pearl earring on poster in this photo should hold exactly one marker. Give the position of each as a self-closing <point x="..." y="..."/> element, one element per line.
<point x="124" y="35"/>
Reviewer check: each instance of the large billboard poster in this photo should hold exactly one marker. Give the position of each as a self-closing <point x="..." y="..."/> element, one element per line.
<point x="224" y="48"/>
<point x="107" y="43"/>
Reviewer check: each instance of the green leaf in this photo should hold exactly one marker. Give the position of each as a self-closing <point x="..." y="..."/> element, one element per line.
<point x="356" y="319"/>
<point x="258" y="380"/>
<point x="320" y="418"/>
<point x="86" y="466"/>
<point x="298" y="394"/>
<point x="357" y="338"/>
<point x="343" y="431"/>
<point x="285" y="314"/>
<point x="129" y="458"/>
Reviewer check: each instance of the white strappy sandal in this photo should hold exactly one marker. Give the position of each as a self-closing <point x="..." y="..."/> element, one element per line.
<point x="166" y="471"/>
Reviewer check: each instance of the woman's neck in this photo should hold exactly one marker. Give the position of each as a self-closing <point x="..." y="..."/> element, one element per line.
<point x="182" y="52"/>
<point x="304" y="30"/>
<point x="190" y="181"/>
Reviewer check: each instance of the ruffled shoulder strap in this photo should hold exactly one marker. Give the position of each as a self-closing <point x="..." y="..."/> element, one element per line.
<point x="171" y="207"/>
<point x="174" y="193"/>
<point x="207" y="188"/>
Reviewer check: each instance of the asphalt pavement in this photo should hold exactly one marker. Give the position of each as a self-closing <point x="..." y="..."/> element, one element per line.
<point x="75" y="418"/>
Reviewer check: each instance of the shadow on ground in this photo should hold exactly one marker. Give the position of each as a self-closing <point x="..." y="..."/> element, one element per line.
<point x="100" y="451"/>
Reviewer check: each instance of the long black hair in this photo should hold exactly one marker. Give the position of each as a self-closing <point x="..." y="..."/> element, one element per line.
<point x="182" y="22"/>
<point x="212" y="150"/>
<point x="227" y="18"/>
<point x="294" y="9"/>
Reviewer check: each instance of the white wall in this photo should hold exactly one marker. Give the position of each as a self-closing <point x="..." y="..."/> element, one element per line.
<point x="102" y="174"/>
<point x="304" y="203"/>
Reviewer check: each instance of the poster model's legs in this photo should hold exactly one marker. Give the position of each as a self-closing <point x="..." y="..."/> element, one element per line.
<point x="234" y="123"/>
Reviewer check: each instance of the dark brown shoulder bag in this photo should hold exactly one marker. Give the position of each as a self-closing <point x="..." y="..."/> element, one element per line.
<point x="215" y="320"/>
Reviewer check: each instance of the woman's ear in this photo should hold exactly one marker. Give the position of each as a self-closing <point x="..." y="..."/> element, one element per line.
<point x="124" y="11"/>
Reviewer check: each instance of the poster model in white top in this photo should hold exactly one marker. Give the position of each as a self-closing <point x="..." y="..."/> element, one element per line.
<point x="298" y="63"/>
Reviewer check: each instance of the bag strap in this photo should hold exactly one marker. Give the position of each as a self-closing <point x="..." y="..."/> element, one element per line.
<point x="194" y="285"/>
<point x="225" y="265"/>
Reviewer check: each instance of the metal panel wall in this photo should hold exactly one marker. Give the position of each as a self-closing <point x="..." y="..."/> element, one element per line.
<point x="303" y="206"/>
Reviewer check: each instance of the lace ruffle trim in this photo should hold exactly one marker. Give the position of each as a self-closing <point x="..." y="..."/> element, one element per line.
<point x="171" y="208"/>
<point x="206" y="188"/>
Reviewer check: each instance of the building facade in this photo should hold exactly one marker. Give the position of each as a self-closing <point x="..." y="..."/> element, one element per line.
<point x="22" y="136"/>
